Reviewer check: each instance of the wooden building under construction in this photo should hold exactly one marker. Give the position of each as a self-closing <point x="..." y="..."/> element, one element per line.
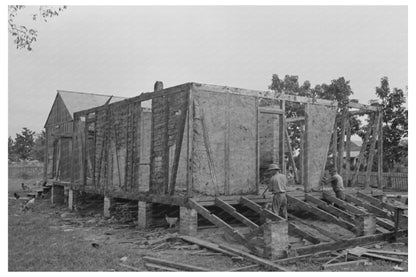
<point x="201" y="146"/>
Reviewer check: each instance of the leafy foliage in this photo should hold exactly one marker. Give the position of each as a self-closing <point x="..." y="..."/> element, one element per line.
<point x="23" y="36"/>
<point x="395" y="124"/>
<point x="21" y="147"/>
<point x="38" y="150"/>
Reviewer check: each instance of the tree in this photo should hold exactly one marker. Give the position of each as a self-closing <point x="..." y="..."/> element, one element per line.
<point x="12" y="155"/>
<point x="395" y="124"/>
<point x="38" y="150"/>
<point x="23" y="144"/>
<point x="24" y="36"/>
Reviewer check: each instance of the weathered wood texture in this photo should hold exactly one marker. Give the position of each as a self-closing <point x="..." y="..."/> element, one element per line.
<point x="319" y="124"/>
<point x="230" y="127"/>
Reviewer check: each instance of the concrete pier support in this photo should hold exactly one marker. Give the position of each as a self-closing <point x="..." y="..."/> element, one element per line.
<point x="73" y="198"/>
<point x="366" y="224"/>
<point x="107" y="205"/>
<point x="188" y="221"/>
<point x="144" y="216"/>
<point x="57" y="194"/>
<point x="276" y="239"/>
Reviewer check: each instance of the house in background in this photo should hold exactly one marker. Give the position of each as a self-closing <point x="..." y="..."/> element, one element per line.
<point x="58" y="129"/>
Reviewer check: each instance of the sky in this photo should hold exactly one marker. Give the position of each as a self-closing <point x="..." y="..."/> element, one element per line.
<point x="120" y="50"/>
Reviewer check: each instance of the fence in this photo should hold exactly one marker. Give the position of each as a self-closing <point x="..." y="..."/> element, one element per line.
<point x="392" y="181"/>
<point x="26" y="171"/>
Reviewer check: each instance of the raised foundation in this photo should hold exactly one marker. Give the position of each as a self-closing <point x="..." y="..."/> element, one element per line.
<point x="276" y="239"/>
<point x="144" y="216"/>
<point x="57" y="195"/>
<point x="73" y="197"/>
<point x="188" y="222"/>
<point x="366" y="224"/>
<point x="107" y="205"/>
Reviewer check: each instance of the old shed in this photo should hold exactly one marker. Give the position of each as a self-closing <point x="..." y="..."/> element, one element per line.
<point x="58" y="128"/>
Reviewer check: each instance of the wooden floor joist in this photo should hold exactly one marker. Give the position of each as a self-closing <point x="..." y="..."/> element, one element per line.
<point x="293" y="229"/>
<point x="371" y="208"/>
<point x="348" y="207"/>
<point x="253" y="258"/>
<point x="320" y="213"/>
<point x="258" y="209"/>
<point x="349" y="243"/>
<point x="378" y="203"/>
<point x="331" y="209"/>
<point x="233" y="212"/>
<point x="221" y="224"/>
<point x="386" y="224"/>
<point x="319" y="229"/>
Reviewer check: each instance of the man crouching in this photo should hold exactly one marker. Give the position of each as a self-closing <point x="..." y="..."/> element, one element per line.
<point x="277" y="185"/>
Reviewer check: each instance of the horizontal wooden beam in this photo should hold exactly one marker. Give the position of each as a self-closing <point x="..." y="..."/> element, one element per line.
<point x="368" y="207"/>
<point x="349" y="243"/>
<point x="362" y="106"/>
<point x="233" y="212"/>
<point x="296" y="230"/>
<point x="331" y="209"/>
<point x="257" y="208"/>
<point x="295" y="119"/>
<point x="271" y="110"/>
<point x="320" y="213"/>
<point x="262" y="94"/>
<point x="348" y="207"/>
<point x="378" y="203"/>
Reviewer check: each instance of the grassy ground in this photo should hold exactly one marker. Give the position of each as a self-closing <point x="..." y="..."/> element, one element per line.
<point x="50" y="238"/>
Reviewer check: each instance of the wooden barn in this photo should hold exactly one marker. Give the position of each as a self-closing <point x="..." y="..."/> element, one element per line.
<point x="199" y="153"/>
<point x="58" y="128"/>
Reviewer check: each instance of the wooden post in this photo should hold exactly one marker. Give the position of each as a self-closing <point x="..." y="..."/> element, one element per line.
<point x="282" y="129"/>
<point x="344" y="120"/>
<point x="291" y="159"/>
<point x="334" y="146"/>
<point x="361" y="155"/>
<point x="305" y="148"/>
<point x="190" y="150"/>
<point x="371" y="151"/>
<point x="348" y="152"/>
<point x="227" y="145"/>
<point x="380" y="153"/>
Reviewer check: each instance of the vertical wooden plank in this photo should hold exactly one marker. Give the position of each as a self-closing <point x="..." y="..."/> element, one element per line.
<point x="305" y="152"/>
<point x="190" y="134"/>
<point x="282" y="129"/>
<point x="342" y="139"/>
<point x="291" y="159"/>
<point x="335" y="146"/>
<point x="362" y="153"/>
<point x="257" y="145"/>
<point x="178" y="148"/>
<point x="372" y="150"/>
<point x="166" y="168"/>
<point x="227" y="144"/>
<point x="380" y="153"/>
<point x="348" y="151"/>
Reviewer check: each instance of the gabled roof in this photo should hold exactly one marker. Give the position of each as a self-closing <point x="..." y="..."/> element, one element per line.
<point x="78" y="101"/>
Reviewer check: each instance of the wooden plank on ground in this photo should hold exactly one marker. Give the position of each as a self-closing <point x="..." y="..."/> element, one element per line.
<point x="331" y="209"/>
<point x="253" y="258"/>
<point x="349" y="263"/>
<point x="160" y="267"/>
<point x="233" y="212"/>
<point x="206" y="244"/>
<point x="320" y="213"/>
<point x="348" y="207"/>
<point x="348" y="243"/>
<point x="174" y="264"/>
<point x="387" y="252"/>
<point x="371" y="208"/>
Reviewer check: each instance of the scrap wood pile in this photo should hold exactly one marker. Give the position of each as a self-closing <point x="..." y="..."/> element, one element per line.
<point x="125" y="212"/>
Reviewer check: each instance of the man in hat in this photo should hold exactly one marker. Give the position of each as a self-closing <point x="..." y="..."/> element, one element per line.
<point x="337" y="184"/>
<point x="277" y="185"/>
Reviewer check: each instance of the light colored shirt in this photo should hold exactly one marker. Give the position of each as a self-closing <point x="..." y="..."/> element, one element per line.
<point x="278" y="183"/>
<point x="337" y="183"/>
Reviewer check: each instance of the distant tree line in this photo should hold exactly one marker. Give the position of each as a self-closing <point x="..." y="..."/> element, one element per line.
<point x="27" y="146"/>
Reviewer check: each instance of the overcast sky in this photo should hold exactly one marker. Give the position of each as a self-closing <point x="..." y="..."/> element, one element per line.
<point x="124" y="50"/>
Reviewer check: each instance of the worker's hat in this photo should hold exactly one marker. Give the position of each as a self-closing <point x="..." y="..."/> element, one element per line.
<point x="273" y="167"/>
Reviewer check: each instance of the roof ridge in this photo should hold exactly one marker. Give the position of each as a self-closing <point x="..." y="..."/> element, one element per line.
<point x="89" y="93"/>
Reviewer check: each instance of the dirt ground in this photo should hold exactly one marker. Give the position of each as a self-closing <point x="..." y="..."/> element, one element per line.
<point x="51" y="238"/>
